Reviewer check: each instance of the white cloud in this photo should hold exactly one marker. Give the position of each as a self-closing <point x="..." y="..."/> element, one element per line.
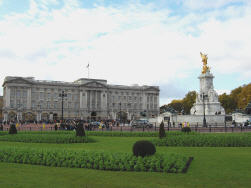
<point x="221" y="91"/>
<point x="125" y="45"/>
<point x="209" y="4"/>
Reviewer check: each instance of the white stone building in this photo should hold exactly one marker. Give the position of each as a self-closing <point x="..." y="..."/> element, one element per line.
<point x="25" y="98"/>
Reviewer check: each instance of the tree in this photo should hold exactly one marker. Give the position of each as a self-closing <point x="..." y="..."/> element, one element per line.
<point x="188" y="101"/>
<point x="162" y="132"/>
<point x="13" y="129"/>
<point x="80" y="129"/>
<point x="176" y="105"/>
<point x="237" y="99"/>
<point x="163" y="108"/>
<point x="244" y="96"/>
<point x="181" y="105"/>
<point x="228" y="102"/>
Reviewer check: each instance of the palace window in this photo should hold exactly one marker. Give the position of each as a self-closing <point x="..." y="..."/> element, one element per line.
<point x="18" y="93"/>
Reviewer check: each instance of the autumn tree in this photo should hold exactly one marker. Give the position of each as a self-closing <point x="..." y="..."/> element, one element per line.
<point x="176" y="105"/>
<point x="188" y="101"/>
<point x="181" y="105"/>
<point x="227" y="102"/>
<point x="244" y="97"/>
<point x="237" y="99"/>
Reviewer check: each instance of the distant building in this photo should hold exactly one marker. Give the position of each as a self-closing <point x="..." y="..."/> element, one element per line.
<point x="1" y="108"/>
<point x="25" y="98"/>
<point x="248" y="108"/>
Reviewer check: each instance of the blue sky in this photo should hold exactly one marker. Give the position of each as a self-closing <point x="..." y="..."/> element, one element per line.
<point x="127" y="42"/>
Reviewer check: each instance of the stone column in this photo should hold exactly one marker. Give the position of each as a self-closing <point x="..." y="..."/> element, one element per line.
<point x="90" y="99"/>
<point x="157" y="98"/>
<point x="7" y="97"/>
<point x="5" y="116"/>
<point x="144" y="101"/>
<point x="38" y="116"/>
<point x="96" y="98"/>
<point x="19" y="116"/>
<point x="81" y="100"/>
<point x="51" y="116"/>
<point x="103" y="100"/>
<point x="29" y="98"/>
<point x="84" y="99"/>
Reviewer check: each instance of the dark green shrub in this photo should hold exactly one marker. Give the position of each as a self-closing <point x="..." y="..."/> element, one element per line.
<point x="162" y="132"/>
<point x="80" y="129"/>
<point x="186" y="129"/>
<point x="13" y="129"/>
<point x="55" y="127"/>
<point x="143" y="148"/>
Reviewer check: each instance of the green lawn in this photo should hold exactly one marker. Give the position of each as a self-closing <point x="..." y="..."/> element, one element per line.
<point x="211" y="167"/>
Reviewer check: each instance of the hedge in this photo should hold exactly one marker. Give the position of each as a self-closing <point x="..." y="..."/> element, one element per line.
<point x="171" y="163"/>
<point x="46" y="138"/>
<point x="206" y="140"/>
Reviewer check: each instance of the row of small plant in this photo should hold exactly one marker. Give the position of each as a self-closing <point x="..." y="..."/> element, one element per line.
<point x="206" y="140"/>
<point x="132" y="134"/>
<point x="48" y="132"/>
<point x="3" y="133"/>
<point x="46" y="138"/>
<point x="94" y="160"/>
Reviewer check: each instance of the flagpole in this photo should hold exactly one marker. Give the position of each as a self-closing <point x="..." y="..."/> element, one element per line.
<point x="88" y="70"/>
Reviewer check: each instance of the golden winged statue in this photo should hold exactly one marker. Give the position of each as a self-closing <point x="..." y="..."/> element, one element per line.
<point x="205" y="68"/>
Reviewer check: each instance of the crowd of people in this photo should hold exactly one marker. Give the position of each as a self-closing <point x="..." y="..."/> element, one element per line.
<point x="67" y="124"/>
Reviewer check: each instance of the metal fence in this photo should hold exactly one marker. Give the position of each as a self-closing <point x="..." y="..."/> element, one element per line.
<point x="127" y="128"/>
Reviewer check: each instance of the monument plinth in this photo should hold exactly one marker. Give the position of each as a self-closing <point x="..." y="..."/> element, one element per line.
<point x="207" y="99"/>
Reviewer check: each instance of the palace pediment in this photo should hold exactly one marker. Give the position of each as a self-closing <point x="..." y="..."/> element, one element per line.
<point x="151" y="88"/>
<point x="94" y="85"/>
<point x="17" y="81"/>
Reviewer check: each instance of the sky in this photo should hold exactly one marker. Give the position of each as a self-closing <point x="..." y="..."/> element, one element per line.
<point x="128" y="42"/>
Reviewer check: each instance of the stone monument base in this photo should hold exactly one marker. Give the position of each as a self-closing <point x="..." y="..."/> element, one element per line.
<point x="213" y="120"/>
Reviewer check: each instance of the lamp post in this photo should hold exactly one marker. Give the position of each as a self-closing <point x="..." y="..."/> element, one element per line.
<point x="204" y="116"/>
<point x="62" y="95"/>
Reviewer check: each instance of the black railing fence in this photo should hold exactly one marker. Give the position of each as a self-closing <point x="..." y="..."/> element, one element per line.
<point x="128" y="128"/>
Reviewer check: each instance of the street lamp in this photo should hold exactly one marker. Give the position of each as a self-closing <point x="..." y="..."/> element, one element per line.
<point x="204" y="116"/>
<point x="62" y="95"/>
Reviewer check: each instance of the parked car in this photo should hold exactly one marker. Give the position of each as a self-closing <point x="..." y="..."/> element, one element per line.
<point x="141" y="124"/>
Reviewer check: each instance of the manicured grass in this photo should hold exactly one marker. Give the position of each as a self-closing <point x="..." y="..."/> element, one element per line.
<point x="211" y="167"/>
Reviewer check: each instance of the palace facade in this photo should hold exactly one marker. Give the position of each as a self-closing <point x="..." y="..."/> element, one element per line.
<point x="25" y="98"/>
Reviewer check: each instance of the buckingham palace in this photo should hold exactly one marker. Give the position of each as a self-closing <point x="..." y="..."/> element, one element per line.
<point x="26" y="98"/>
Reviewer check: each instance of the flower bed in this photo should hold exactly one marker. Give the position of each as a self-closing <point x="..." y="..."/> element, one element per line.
<point x="171" y="163"/>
